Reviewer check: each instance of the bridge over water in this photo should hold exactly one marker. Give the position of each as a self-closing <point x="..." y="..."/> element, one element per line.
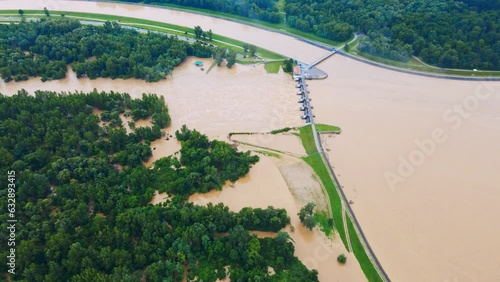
<point x="321" y="59"/>
<point x="309" y="71"/>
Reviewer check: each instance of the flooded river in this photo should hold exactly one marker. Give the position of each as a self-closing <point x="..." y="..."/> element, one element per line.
<point x="241" y="99"/>
<point x="418" y="156"/>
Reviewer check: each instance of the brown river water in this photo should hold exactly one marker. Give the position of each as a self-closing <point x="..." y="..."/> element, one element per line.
<point x="419" y="157"/>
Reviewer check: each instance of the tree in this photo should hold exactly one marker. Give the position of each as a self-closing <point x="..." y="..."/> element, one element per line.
<point x="219" y="56"/>
<point x="119" y="53"/>
<point x="252" y="49"/>
<point x="347" y="47"/>
<point x="288" y="65"/>
<point x="21" y="12"/>
<point x="210" y="34"/>
<point x="306" y="216"/>
<point x="231" y="59"/>
<point x="46" y="11"/>
<point x="342" y="259"/>
<point x="246" y="47"/>
<point x="198" y="32"/>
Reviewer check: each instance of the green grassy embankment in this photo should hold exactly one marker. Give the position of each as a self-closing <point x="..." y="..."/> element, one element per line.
<point x="306" y="135"/>
<point x="273" y="67"/>
<point x="323" y="220"/>
<point x="360" y="254"/>
<point x="326" y="128"/>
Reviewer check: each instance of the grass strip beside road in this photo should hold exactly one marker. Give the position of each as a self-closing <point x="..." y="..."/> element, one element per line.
<point x="323" y="219"/>
<point x="306" y="135"/>
<point x="359" y="252"/>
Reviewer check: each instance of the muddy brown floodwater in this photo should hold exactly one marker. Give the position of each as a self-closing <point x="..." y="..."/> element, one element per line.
<point x="244" y="98"/>
<point x="423" y="174"/>
<point x="418" y="156"/>
<point x="265" y="186"/>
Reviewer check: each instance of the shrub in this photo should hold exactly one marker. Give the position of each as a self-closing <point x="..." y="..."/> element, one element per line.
<point x="342" y="259"/>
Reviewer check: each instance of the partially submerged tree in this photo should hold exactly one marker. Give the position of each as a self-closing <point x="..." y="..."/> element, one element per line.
<point x="342" y="259"/>
<point x="219" y="55"/>
<point x="231" y="59"/>
<point x="288" y="65"/>
<point x="306" y="216"/>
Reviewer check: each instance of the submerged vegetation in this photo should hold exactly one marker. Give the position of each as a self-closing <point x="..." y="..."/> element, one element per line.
<point x="281" y="130"/>
<point x="83" y="193"/>
<point x="306" y="216"/>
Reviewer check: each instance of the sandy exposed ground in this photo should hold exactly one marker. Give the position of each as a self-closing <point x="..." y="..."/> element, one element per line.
<point x="303" y="183"/>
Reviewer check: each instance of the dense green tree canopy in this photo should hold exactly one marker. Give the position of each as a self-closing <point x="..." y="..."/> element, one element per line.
<point x="82" y="195"/>
<point x="45" y="47"/>
<point x="446" y="33"/>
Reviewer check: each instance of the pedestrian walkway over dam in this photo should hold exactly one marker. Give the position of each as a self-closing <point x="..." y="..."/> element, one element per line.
<point x="311" y="65"/>
<point x="311" y="72"/>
